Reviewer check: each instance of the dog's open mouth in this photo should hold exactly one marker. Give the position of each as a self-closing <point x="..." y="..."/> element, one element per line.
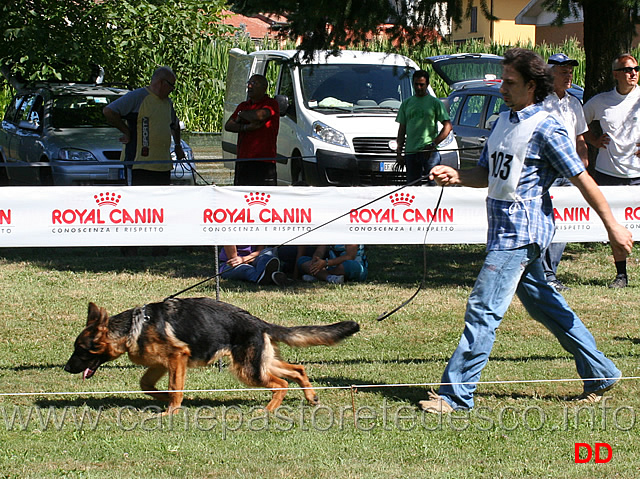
<point x="87" y="373"/>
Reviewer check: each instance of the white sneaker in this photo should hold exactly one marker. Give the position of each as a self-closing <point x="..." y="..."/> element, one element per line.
<point x="335" y="279"/>
<point x="308" y="278"/>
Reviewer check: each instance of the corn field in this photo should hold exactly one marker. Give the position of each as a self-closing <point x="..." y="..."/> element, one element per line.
<point x="199" y="101"/>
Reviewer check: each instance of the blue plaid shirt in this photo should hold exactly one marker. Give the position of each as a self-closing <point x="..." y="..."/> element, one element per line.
<point x="550" y="154"/>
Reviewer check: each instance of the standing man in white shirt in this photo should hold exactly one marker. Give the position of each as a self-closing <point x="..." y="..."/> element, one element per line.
<point x="618" y="114"/>
<point x="567" y="109"/>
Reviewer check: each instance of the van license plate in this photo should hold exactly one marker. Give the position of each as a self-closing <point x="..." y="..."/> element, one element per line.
<point x="387" y="166"/>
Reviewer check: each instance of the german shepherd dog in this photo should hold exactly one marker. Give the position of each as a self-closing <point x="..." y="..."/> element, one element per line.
<point x="182" y="333"/>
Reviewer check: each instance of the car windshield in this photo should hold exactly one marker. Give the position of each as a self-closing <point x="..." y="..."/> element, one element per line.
<point x="80" y="111"/>
<point x="351" y="87"/>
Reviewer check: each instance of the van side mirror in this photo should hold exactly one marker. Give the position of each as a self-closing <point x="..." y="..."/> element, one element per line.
<point x="283" y="104"/>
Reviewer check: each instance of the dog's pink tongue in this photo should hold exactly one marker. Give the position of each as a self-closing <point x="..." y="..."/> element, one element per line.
<point x="88" y="373"/>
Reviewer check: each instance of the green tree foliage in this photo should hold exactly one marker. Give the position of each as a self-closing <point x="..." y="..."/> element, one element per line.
<point x="66" y="39"/>
<point x="323" y="24"/>
<point x="609" y="28"/>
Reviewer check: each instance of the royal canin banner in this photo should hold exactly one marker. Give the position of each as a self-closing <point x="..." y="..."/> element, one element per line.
<point x="210" y="215"/>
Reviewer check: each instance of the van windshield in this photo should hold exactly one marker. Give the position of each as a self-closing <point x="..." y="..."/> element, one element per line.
<point x="353" y="87"/>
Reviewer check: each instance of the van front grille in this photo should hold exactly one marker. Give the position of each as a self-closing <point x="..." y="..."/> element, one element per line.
<point x="373" y="146"/>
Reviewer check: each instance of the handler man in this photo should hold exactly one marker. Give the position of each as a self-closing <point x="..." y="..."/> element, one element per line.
<point x="526" y="151"/>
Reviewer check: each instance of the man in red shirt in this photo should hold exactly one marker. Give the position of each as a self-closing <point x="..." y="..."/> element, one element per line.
<point x="256" y="121"/>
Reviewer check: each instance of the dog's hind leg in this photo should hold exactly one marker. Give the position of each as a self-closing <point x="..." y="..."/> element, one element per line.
<point x="295" y="372"/>
<point x="279" y="389"/>
<point x="149" y="380"/>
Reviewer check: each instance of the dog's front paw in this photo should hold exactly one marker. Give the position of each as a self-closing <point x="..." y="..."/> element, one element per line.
<point x="158" y="396"/>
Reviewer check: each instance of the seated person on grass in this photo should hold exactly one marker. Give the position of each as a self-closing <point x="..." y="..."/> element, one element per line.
<point x="335" y="264"/>
<point x="255" y="264"/>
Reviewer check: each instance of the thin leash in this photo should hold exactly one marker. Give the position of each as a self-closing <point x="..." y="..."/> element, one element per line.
<point x="385" y="315"/>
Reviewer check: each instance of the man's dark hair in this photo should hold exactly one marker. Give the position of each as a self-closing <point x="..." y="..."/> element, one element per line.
<point x="421" y="74"/>
<point x="532" y="67"/>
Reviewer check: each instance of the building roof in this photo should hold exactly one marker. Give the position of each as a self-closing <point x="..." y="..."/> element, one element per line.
<point x="256" y="26"/>
<point x="534" y="13"/>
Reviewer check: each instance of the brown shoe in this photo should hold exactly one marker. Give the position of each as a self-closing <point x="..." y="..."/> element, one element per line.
<point x="435" y="404"/>
<point x="592" y="397"/>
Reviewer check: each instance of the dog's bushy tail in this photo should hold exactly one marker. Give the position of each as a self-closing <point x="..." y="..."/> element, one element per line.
<point x="302" y="336"/>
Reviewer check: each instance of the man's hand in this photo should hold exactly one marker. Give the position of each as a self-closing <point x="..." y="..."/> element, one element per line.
<point x="400" y="164"/>
<point x="444" y="175"/>
<point x="602" y="141"/>
<point x="179" y="151"/>
<point x="317" y="265"/>
<point x="621" y="241"/>
<point x="235" y="261"/>
<point x="125" y="138"/>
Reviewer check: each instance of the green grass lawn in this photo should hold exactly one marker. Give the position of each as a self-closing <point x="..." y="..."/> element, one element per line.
<point x="368" y="424"/>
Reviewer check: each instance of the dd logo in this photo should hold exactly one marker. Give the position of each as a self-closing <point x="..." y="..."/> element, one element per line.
<point x="598" y="447"/>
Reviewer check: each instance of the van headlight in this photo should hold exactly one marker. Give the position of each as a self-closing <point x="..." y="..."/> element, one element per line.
<point x="327" y="134"/>
<point x="71" y="154"/>
<point x="447" y="141"/>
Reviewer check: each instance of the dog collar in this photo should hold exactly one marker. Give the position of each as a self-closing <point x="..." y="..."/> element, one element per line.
<point x="145" y="315"/>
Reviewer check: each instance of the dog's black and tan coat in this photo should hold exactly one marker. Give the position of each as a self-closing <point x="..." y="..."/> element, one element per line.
<point x="183" y="333"/>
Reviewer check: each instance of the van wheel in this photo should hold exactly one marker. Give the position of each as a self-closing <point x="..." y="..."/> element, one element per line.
<point x="297" y="170"/>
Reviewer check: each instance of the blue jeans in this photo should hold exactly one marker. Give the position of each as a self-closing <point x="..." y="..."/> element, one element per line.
<point x="248" y="271"/>
<point x="504" y="274"/>
<point x="420" y="164"/>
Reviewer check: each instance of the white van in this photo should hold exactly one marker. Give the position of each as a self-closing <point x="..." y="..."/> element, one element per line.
<point x="338" y="113"/>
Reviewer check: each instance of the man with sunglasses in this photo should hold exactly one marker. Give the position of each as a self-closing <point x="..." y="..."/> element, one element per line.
<point x="147" y="120"/>
<point x="614" y="130"/>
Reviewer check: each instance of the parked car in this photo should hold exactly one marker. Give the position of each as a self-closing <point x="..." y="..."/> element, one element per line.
<point x="61" y="126"/>
<point x="338" y="123"/>
<point x="475" y="99"/>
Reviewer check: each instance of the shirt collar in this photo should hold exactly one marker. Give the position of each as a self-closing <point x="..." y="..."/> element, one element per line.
<point x="527" y="112"/>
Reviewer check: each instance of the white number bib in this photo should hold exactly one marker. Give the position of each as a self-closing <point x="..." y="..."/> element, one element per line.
<point x="507" y="147"/>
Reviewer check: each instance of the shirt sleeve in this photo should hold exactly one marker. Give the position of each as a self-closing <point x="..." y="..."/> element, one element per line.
<point x="589" y="110"/>
<point x="561" y="153"/>
<point x="129" y="103"/>
<point x="400" y="118"/>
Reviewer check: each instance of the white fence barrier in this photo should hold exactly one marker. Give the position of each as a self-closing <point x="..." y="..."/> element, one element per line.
<point x="209" y="215"/>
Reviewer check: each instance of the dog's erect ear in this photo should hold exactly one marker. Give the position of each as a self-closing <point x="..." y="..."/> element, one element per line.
<point x="96" y="314"/>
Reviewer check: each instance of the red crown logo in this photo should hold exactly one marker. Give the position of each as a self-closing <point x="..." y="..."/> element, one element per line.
<point x="404" y="199"/>
<point x="257" y="198"/>
<point x="107" y="199"/>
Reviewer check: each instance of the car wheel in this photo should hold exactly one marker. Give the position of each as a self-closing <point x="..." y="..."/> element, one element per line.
<point x="297" y="169"/>
<point x="4" y="179"/>
<point x="45" y="175"/>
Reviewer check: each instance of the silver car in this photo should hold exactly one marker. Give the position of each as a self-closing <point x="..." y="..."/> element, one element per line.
<point x="56" y="134"/>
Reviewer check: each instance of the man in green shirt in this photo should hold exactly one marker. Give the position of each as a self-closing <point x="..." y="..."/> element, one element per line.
<point x="418" y="132"/>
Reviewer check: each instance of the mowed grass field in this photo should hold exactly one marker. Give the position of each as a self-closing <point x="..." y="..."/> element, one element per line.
<point x="54" y="424"/>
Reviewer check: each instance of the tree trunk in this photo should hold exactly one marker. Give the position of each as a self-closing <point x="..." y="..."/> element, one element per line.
<point x="608" y="31"/>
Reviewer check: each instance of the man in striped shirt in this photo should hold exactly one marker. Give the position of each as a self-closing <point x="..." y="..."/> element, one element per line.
<point x="526" y="151"/>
